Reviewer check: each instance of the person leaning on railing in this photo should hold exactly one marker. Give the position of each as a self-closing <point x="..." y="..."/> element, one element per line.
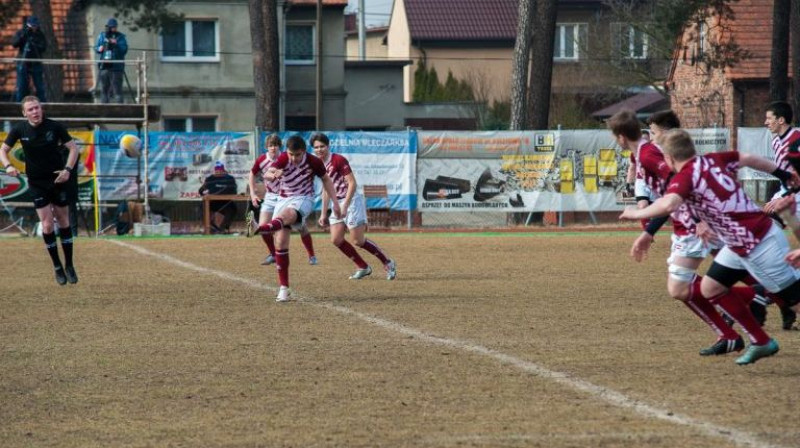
<point x="31" y="44"/>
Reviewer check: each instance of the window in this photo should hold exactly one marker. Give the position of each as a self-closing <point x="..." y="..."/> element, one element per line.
<point x="299" y="44"/>
<point x="190" y="124"/>
<point x="569" y="39"/>
<point x="629" y="42"/>
<point x="192" y="40"/>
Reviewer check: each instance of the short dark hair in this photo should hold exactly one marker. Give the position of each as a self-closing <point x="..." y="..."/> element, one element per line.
<point x="295" y="143"/>
<point x="626" y="124"/>
<point x="320" y="137"/>
<point x="665" y="119"/>
<point x="781" y="109"/>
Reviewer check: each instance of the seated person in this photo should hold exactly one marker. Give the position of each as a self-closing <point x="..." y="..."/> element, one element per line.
<point x="222" y="212"/>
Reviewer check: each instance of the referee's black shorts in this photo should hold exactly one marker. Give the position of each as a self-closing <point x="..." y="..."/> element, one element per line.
<point x="47" y="192"/>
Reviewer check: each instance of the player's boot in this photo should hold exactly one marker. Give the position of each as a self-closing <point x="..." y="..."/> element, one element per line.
<point x="391" y="270"/>
<point x="789" y="317"/>
<point x="312" y="260"/>
<point x="61" y="277"/>
<point x="248" y="220"/>
<point x="723" y="346"/>
<point x="72" y="276"/>
<point x="759" y="311"/>
<point x="269" y="260"/>
<point x="283" y="294"/>
<point x="361" y="273"/>
<point x="756" y="352"/>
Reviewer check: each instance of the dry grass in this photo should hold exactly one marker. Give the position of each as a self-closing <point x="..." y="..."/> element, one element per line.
<point x="146" y="351"/>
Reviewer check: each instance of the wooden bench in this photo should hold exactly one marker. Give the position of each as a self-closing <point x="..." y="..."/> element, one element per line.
<point x="378" y="216"/>
<point x="217" y="197"/>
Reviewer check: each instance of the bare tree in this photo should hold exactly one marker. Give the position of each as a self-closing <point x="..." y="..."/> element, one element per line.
<point x="266" y="73"/>
<point x="779" y="60"/>
<point x="521" y="62"/>
<point x="542" y="38"/>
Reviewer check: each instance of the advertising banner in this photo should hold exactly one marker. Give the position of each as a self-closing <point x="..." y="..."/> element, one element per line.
<point x="376" y="158"/>
<point x="178" y="163"/>
<point x="528" y="171"/>
<point x="755" y="141"/>
<point x="16" y="188"/>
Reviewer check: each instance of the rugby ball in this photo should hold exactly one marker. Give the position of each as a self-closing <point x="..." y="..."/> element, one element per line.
<point x="131" y="145"/>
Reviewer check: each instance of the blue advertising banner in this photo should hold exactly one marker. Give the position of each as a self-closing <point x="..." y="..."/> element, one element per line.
<point x="377" y="158"/>
<point x="178" y="163"/>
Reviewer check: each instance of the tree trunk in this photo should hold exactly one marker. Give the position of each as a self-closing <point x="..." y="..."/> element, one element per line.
<point x="266" y="73"/>
<point x="779" y="61"/>
<point x="53" y="73"/>
<point x="521" y="62"/>
<point x="795" y="46"/>
<point x="542" y="68"/>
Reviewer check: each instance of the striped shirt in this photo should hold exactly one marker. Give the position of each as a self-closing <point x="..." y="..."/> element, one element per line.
<point x="298" y="179"/>
<point x="260" y="167"/>
<point x="338" y="168"/>
<point x="709" y="187"/>
<point x="781" y="145"/>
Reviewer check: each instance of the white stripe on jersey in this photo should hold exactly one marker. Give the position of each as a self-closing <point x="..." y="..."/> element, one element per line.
<point x="780" y="146"/>
<point x="274" y="186"/>
<point x="297" y="180"/>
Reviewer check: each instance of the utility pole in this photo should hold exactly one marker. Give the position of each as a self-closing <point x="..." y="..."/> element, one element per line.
<point x="319" y="65"/>
<point x="362" y="31"/>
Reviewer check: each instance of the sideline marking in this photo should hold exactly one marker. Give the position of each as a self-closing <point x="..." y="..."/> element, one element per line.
<point x="735" y="436"/>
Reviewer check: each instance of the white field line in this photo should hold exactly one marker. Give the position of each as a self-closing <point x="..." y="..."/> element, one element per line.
<point x="732" y="435"/>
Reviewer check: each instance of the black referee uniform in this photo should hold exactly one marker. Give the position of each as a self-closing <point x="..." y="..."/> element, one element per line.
<point x="42" y="145"/>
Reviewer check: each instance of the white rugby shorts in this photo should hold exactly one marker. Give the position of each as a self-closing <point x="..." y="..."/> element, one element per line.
<point x="356" y="214"/>
<point x="765" y="262"/>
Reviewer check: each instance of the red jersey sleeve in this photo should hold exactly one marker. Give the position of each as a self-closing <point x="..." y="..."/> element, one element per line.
<point x="681" y="183"/>
<point x="257" y="165"/>
<point x="281" y="161"/>
<point x="652" y="160"/>
<point x="343" y="166"/>
<point x="317" y="166"/>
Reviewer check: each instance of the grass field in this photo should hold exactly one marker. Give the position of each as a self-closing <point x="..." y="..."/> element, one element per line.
<point x="483" y="340"/>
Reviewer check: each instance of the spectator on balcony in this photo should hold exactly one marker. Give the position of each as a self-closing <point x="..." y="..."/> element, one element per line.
<point x="30" y="44"/>
<point x="111" y="46"/>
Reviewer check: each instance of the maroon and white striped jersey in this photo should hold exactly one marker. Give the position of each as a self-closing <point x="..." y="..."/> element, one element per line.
<point x="298" y="179"/>
<point x="651" y="167"/>
<point x="338" y="168"/>
<point x="709" y="187"/>
<point x="260" y="167"/>
<point x="781" y="144"/>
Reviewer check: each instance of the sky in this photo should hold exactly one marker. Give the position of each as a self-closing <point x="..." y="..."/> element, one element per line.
<point x="377" y="11"/>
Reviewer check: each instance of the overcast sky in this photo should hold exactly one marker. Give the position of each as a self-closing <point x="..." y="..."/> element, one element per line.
<point x="377" y="11"/>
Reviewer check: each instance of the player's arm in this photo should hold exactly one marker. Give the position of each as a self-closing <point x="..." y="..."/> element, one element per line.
<point x="787" y="178"/>
<point x="327" y="186"/>
<point x="793" y="258"/>
<point x="7" y="166"/>
<point x="351" y="191"/>
<point x="323" y="217"/>
<point x="251" y="185"/>
<point x="663" y="206"/>
<point x="72" y="159"/>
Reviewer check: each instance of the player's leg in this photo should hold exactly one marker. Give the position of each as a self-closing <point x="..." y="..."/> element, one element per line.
<point x="286" y="214"/>
<point x="61" y="213"/>
<point x="357" y="225"/>
<point x="43" y="196"/>
<point x="683" y="284"/>
<point x="282" y="263"/>
<point x="727" y="269"/>
<point x="338" y="228"/>
<point x="308" y="243"/>
<point x="269" y="240"/>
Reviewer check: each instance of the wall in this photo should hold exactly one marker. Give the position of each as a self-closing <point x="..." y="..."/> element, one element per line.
<point x="374" y="95"/>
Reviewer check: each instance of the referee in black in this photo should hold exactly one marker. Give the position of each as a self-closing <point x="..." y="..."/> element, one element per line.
<point x="48" y="178"/>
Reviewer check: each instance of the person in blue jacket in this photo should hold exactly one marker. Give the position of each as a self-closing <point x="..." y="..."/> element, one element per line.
<point x="111" y="46"/>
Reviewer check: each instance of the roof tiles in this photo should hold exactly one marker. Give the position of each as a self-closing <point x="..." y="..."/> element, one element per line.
<point x="464" y="20"/>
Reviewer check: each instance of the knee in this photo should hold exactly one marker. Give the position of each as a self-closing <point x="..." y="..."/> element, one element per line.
<point x="337" y="240"/>
<point x="47" y="226"/>
<point x="679" y="292"/>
